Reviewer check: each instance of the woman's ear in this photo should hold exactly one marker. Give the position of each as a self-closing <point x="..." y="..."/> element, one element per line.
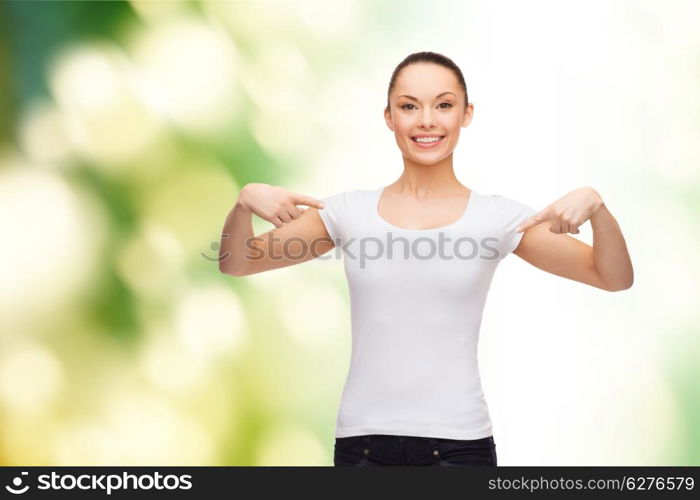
<point x="389" y="120"/>
<point x="468" y="114"/>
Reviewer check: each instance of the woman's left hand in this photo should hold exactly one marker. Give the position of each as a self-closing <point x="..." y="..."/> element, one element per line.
<point x="568" y="212"/>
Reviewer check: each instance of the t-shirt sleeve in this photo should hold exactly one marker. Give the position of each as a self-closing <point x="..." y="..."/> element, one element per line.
<point x="333" y="216"/>
<point x="511" y="214"/>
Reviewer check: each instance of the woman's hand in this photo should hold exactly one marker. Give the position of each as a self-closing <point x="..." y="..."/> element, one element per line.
<point x="273" y="203"/>
<point x="568" y="212"/>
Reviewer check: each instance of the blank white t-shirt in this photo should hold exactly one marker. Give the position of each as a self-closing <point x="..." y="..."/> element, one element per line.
<point x="416" y="299"/>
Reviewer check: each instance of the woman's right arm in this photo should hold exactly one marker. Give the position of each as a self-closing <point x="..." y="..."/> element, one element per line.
<point x="299" y="235"/>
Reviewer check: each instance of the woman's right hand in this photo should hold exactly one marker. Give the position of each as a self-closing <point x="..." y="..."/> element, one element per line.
<point x="275" y="204"/>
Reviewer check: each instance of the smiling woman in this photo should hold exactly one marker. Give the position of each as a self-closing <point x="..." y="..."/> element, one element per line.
<point x="413" y="392"/>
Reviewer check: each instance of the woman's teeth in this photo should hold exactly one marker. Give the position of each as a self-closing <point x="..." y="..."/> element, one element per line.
<point x="427" y="140"/>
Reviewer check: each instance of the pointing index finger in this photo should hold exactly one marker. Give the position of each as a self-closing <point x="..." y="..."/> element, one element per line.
<point x="301" y="199"/>
<point x="535" y="219"/>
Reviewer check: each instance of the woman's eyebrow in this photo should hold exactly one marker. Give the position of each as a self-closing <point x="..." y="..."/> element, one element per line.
<point x="439" y="95"/>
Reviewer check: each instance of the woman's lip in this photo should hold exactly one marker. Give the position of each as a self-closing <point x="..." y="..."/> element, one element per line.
<point x="429" y="145"/>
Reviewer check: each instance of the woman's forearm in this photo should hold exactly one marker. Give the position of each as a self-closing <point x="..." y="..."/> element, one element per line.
<point x="610" y="254"/>
<point x="238" y="229"/>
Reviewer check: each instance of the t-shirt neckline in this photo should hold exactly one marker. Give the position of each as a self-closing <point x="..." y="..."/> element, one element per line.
<point x="467" y="210"/>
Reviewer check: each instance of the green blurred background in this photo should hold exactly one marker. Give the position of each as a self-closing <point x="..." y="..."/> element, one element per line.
<point x="128" y="128"/>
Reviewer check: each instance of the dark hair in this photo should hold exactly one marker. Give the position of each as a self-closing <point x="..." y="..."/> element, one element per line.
<point x="428" y="57"/>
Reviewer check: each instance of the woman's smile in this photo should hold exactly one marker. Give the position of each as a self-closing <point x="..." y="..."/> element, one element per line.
<point x="427" y="141"/>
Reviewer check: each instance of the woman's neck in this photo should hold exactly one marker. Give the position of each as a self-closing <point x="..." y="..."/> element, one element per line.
<point x="421" y="180"/>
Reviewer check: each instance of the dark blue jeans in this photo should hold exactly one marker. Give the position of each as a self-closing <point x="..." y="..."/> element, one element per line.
<point x="384" y="449"/>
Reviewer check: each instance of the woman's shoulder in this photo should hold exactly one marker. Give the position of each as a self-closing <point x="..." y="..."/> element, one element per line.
<point x="501" y="200"/>
<point x="348" y="201"/>
<point x="342" y="209"/>
<point x="507" y="207"/>
<point x="349" y="196"/>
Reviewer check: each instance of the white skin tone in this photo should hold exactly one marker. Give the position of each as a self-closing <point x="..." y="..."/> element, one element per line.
<point x="428" y="195"/>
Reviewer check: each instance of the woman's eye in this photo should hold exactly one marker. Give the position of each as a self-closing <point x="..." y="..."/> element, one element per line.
<point x="449" y="105"/>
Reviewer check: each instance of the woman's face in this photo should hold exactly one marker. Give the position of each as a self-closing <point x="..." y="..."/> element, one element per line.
<point x="427" y="100"/>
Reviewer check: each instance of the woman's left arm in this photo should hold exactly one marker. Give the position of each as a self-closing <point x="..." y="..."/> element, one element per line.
<point x="605" y="265"/>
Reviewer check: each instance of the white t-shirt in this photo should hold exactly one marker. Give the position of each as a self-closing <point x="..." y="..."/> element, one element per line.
<point x="416" y="299"/>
